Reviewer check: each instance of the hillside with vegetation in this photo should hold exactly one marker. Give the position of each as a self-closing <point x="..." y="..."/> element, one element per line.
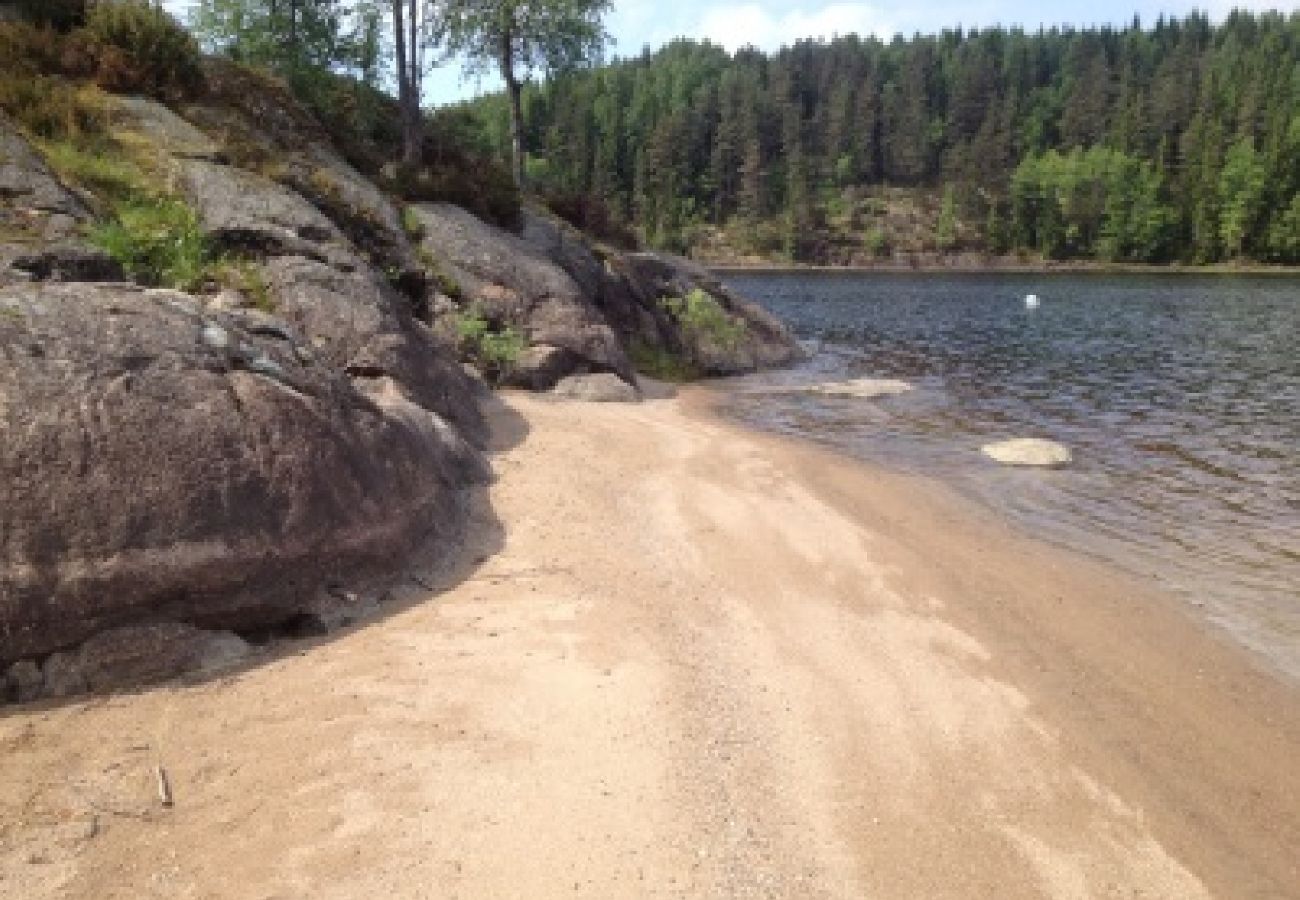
<point x="1178" y="142"/>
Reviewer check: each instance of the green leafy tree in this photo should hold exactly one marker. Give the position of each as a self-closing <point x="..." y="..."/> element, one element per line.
<point x="1241" y="191"/>
<point x="520" y="37"/>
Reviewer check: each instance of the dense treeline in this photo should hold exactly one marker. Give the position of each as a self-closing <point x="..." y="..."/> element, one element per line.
<point x="1177" y="142"/>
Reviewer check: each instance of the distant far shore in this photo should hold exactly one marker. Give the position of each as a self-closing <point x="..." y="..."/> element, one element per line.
<point x="1001" y="266"/>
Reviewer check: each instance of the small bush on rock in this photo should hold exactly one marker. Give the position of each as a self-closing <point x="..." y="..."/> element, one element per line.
<point x="495" y="350"/>
<point x="702" y="317"/>
<point x="661" y="363"/>
<point x="100" y="168"/>
<point x="246" y="277"/>
<point x="142" y="48"/>
<point x="52" y="108"/>
<point x="158" y="242"/>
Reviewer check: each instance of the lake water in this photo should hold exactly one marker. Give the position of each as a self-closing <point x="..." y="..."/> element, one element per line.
<point x="1179" y="397"/>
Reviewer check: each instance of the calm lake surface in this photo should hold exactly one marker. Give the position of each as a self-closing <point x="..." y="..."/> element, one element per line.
<point x="1178" y="395"/>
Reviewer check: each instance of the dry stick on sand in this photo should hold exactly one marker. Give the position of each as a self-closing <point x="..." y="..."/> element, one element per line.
<point x="164" y="787"/>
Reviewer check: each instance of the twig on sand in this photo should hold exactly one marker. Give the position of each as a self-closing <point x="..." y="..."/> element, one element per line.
<point x="164" y="786"/>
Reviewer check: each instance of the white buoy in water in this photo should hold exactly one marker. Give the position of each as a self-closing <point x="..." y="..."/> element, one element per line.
<point x="1031" y="301"/>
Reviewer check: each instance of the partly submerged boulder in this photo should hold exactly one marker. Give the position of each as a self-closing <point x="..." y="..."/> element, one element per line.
<point x="163" y="463"/>
<point x="1028" y="452"/>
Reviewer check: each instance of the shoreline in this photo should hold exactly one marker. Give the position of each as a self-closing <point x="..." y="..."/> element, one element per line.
<point x="681" y="657"/>
<point x="1009" y="268"/>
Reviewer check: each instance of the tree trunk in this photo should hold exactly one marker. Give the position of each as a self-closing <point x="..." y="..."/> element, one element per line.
<point x="514" y="89"/>
<point x="408" y="94"/>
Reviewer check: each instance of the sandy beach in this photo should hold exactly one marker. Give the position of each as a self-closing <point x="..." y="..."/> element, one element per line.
<point x="679" y="659"/>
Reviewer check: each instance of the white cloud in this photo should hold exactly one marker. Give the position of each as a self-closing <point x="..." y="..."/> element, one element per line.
<point x="749" y="24"/>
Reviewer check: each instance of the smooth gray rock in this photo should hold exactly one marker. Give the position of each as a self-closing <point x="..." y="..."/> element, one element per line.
<point x="602" y="387"/>
<point x="150" y="476"/>
<point x="40" y="221"/>
<point x="167" y="132"/>
<point x="25" y="681"/>
<point x="355" y="322"/>
<point x="245" y="212"/>
<point x="140" y="654"/>
<point x="261" y="124"/>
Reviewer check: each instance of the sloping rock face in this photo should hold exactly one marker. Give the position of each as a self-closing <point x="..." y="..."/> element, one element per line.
<point x="260" y="126"/>
<point x="166" y="463"/>
<point x="511" y="282"/>
<point x="39" y="221"/>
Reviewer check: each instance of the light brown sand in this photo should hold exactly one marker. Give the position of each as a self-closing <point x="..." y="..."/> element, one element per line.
<point x="693" y="662"/>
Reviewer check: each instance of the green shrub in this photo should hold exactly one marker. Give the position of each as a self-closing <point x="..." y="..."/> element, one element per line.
<point x="701" y="316"/>
<point x="445" y="284"/>
<point x="142" y="48"/>
<point x="52" y="108"/>
<point x="158" y="242"/>
<point x="244" y="276"/>
<point x="100" y="168"/>
<point x="661" y="363"/>
<point x="877" y="242"/>
<point x="411" y="224"/>
<point x="494" y="349"/>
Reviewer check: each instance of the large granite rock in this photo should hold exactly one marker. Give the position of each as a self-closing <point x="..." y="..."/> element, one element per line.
<point x="512" y="282"/>
<point x="356" y="324"/>
<point x="603" y="387"/>
<point x="165" y="463"/>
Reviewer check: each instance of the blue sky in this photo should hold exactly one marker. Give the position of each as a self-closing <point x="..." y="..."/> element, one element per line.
<point x="770" y="23"/>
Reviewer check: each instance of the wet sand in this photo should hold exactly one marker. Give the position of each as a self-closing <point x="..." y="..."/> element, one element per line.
<point x="679" y="659"/>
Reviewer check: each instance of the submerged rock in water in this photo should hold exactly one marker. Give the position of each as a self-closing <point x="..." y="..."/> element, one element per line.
<point x="1028" y="452"/>
<point x="861" y="388"/>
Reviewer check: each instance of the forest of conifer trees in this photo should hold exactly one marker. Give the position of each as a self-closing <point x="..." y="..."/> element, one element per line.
<point x="1173" y="143"/>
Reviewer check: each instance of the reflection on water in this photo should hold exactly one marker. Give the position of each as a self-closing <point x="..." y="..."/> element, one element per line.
<point x="1179" y="397"/>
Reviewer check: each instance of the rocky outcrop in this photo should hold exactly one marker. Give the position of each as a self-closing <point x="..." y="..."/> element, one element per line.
<point x="244" y="212"/>
<point x="166" y="463"/>
<point x="260" y="126"/>
<point x="629" y="290"/>
<point x="511" y="283"/>
<point x="765" y="342"/>
<point x="179" y="470"/>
